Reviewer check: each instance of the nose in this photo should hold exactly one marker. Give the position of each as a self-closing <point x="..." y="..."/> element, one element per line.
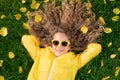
<point x="59" y="46"/>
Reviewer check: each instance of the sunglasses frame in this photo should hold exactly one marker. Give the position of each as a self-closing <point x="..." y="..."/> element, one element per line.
<point x="60" y="43"/>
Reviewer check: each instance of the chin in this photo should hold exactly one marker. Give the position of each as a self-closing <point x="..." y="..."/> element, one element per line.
<point x="58" y="54"/>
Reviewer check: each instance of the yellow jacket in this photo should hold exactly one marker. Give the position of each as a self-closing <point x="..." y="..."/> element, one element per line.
<point x="48" y="67"/>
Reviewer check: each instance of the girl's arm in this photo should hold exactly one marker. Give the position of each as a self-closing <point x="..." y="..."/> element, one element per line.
<point x="92" y="51"/>
<point x="31" y="44"/>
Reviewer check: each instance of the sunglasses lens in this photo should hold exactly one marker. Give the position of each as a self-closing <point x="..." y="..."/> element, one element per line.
<point x="55" y="43"/>
<point x="64" y="43"/>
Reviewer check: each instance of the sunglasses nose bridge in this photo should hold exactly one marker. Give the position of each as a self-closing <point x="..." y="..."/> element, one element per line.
<point x="60" y="43"/>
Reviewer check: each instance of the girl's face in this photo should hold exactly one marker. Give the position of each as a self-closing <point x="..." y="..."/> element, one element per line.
<point x="60" y="44"/>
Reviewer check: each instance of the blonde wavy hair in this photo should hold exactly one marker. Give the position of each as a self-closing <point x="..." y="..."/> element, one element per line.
<point x="69" y="18"/>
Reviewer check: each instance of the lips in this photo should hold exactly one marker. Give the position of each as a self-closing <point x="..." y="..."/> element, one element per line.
<point x="59" y="51"/>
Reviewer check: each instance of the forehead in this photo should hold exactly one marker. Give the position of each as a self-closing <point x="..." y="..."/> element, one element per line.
<point x="60" y="36"/>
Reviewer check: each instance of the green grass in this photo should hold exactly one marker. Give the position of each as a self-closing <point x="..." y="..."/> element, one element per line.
<point x="12" y="42"/>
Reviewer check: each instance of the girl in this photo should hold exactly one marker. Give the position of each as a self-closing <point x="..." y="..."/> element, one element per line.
<point x="70" y="26"/>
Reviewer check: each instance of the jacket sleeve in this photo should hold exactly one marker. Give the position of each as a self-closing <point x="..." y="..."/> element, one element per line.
<point x="31" y="44"/>
<point x="92" y="50"/>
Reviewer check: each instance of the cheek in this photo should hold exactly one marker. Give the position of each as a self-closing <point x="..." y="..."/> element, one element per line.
<point x="53" y="47"/>
<point x="68" y="48"/>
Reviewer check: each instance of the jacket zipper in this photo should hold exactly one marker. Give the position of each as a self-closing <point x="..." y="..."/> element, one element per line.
<point x="53" y="64"/>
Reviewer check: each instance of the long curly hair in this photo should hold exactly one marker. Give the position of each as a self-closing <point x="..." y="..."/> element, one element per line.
<point x="69" y="17"/>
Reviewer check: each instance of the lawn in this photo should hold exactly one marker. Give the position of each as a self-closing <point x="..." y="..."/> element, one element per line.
<point x="15" y="63"/>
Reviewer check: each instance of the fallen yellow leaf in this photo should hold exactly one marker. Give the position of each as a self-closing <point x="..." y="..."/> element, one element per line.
<point x="106" y="78"/>
<point x="109" y="44"/>
<point x="89" y="71"/>
<point x="20" y="69"/>
<point x="117" y="71"/>
<point x="88" y="5"/>
<point x="105" y="2"/>
<point x="3" y="31"/>
<point x="115" y="18"/>
<point x="101" y="20"/>
<point x="11" y="55"/>
<point x="34" y="5"/>
<point x="23" y="9"/>
<point x="38" y="18"/>
<point x="25" y="25"/>
<point x="1" y="62"/>
<point x="112" y="56"/>
<point x="17" y="16"/>
<point x="1" y="77"/>
<point x="119" y="49"/>
<point x="23" y="1"/>
<point x="102" y="63"/>
<point x="84" y="29"/>
<point x="116" y="11"/>
<point x="3" y="16"/>
<point x="107" y="30"/>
